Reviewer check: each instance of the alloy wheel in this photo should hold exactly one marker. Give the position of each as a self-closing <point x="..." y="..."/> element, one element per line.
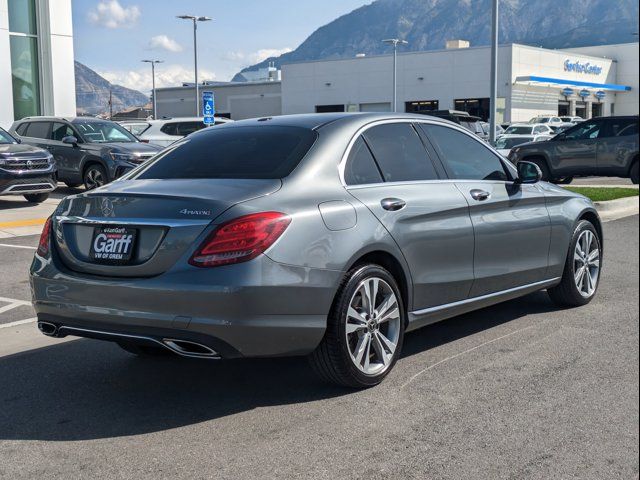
<point x="94" y="179"/>
<point x="373" y="326"/>
<point x="586" y="263"/>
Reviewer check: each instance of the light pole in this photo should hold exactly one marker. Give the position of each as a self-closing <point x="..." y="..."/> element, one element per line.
<point x="195" y="19"/>
<point x="153" y="83"/>
<point x="494" y="72"/>
<point x="395" y="42"/>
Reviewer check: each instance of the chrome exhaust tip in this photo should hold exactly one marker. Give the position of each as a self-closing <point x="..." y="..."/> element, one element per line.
<point x="190" y="349"/>
<point x="49" y="329"/>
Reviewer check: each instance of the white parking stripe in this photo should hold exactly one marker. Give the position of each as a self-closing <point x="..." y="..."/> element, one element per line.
<point x="19" y="322"/>
<point x="17" y="246"/>
<point x="14" y="300"/>
<point x="11" y="306"/>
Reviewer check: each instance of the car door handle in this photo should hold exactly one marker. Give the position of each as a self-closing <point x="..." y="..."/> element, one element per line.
<point x="393" y="204"/>
<point x="480" y="195"/>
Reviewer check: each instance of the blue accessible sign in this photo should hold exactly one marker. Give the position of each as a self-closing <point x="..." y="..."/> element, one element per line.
<point x="208" y="108"/>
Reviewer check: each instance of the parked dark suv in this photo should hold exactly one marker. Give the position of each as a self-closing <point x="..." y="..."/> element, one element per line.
<point x="25" y="170"/>
<point x="86" y="150"/>
<point x="604" y="146"/>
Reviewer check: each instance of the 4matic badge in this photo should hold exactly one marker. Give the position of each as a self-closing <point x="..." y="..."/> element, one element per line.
<point x="186" y="211"/>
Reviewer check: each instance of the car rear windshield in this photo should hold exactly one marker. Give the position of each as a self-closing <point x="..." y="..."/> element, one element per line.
<point x="260" y="152"/>
<point x="519" y="130"/>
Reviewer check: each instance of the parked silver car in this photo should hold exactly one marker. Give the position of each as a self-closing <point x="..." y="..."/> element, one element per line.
<point x="328" y="235"/>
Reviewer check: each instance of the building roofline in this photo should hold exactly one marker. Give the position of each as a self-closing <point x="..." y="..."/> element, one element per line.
<point x="225" y="85"/>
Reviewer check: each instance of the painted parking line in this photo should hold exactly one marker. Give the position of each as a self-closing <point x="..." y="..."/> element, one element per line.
<point x="14" y="300"/>
<point x="19" y="322"/>
<point x="32" y="222"/>
<point x="17" y="246"/>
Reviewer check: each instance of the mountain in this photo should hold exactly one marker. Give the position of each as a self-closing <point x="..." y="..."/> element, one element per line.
<point x="428" y="24"/>
<point x="92" y="93"/>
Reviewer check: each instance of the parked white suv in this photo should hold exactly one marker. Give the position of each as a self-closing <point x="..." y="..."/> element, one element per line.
<point x="165" y="131"/>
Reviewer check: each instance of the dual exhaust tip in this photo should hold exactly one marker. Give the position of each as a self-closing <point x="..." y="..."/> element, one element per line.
<point x="184" y="348"/>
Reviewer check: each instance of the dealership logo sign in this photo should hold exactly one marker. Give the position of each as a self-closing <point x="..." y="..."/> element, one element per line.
<point x="579" y="67"/>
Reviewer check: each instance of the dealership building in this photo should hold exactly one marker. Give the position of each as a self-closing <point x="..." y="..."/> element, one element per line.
<point x="585" y="82"/>
<point x="36" y="59"/>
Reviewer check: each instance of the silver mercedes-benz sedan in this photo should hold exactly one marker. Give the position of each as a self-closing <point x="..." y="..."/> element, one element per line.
<point x="328" y="235"/>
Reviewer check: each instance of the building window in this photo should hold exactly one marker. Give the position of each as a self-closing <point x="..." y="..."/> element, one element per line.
<point x="478" y="107"/>
<point x="421" y="106"/>
<point x="329" y="108"/>
<point x="25" y="74"/>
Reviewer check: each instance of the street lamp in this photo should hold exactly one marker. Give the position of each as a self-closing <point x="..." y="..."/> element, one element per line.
<point x="493" y="108"/>
<point x="395" y="42"/>
<point x="195" y="20"/>
<point x="153" y="82"/>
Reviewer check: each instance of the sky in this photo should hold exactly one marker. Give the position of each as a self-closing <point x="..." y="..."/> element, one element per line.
<point x="113" y="36"/>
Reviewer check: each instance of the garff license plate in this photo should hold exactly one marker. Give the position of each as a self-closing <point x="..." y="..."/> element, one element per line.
<point x="112" y="244"/>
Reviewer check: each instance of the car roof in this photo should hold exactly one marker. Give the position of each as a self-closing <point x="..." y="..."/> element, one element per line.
<point x="67" y="119"/>
<point x="316" y="121"/>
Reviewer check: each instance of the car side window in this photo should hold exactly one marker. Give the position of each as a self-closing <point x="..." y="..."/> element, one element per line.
<point x="169" y="128"/>
<point x="399" y="153"/>
<point x="61" y="130"/>
<point x="361" y="168"/>
<point x="465" y="157"/>
<point x="583" y="131"/>
<point x="38" y="130"/>
<point x="22" y="128"/>
<point x="622" y="127"/>
<point x="187" y="128"/>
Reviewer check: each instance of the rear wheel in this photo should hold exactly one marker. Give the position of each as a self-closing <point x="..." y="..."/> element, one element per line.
<point x="581" y="274"/>
<point x="94" y="176"/>
<point x="144" y="350"/>
<point x="563" y="180"/>
<point x="634" y="173"/>
<point x="365" y="329"/>
<point x="36" y="197"/>
<point x="72" y="184"/>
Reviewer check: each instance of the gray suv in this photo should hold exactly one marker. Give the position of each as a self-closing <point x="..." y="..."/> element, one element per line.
<point x="328" y="235"/>
<point x="86" y="150"/>
<point x="605" y="146"/>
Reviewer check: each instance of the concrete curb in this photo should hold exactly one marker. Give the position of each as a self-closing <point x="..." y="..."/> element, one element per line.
<point x="619" y="208"/>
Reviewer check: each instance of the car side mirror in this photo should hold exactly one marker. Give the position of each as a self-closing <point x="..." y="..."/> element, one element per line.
<point x="70" y="140"/>
<point x="528" y="172"/>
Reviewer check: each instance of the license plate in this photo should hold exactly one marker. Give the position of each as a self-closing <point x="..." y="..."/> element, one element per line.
<point x="112" y="244"/>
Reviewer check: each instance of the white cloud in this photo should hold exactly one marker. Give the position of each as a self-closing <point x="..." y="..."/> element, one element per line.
<point x="256" y="57"/>
<point x="163" y="42"/>
<point x="110" y="14"/>
<point x="166" y="76"/>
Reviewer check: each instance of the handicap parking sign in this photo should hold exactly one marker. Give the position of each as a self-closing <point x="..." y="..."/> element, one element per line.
<point x="208" y="108"/>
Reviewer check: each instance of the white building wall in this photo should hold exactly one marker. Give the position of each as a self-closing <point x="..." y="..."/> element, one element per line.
<point x="625" y="57"/>
<point x="55" y="45"/>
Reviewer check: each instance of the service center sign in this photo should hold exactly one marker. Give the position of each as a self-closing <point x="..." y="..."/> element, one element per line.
<point x="579" y="67"/>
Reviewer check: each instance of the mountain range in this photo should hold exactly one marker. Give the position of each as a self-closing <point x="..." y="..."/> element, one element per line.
<point x="428" y="24"/>
<point x="92" y="93"/>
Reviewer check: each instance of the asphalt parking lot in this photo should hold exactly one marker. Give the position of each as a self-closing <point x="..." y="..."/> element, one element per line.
<point x="519" y="390"/>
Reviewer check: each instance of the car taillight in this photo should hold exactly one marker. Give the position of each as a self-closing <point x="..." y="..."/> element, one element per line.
<point x="241" y="239"/>
<point x="45" y="239"/>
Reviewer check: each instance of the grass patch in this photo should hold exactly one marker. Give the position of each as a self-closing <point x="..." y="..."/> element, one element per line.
<point x="599" y="194"/>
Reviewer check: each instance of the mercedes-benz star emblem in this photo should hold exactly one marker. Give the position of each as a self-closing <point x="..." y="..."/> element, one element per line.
<point x="107" y="207"/>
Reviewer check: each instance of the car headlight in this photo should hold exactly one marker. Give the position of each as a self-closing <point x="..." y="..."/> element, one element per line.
<point x="124" y="157"/>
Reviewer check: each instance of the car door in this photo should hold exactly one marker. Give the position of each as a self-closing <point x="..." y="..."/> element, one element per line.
<point x="37" y="134"/>
<point x="426" y="216"/>
<point x="67" y="156"/>
<point x="511" y="224"/>
<point x="617" y="143"/>
<point x="575" y="150"/>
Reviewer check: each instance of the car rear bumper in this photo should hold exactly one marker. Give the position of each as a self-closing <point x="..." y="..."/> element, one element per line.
<point x="258" y="308"/>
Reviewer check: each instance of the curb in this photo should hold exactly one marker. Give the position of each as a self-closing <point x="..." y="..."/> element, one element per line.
<point x="619" y="208"/>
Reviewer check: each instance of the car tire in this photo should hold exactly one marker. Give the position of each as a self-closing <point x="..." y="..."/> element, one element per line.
<point x="36" y="197"/>
<point x="576" y="288"/>
<point x="94" y="176"/>
<point x="633" y="174"/>
<point x="363" y="357"/>
<point x="72" y="184"/>
<point x="144" y="350"/>
<point x="542" y="165"/>
<point x="563" y="181"/>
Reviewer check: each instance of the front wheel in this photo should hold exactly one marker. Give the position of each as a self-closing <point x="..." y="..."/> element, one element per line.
<point x="634" y="173"/>
<point x="581" y="275"/>
<point x="36" y="197"/>
<point x="94" y="176"/>
<point x="365" y="329"/>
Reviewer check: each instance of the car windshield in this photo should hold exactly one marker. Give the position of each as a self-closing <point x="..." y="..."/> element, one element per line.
<point x="265" y="152"/>
<point x="519" y="130"/>
<point x="5" y="138"/>
<point x="471" y="125"/>
<point x="507" y="143"/>
<point x="103" y="132"/>
<point x="540" y="120"/>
